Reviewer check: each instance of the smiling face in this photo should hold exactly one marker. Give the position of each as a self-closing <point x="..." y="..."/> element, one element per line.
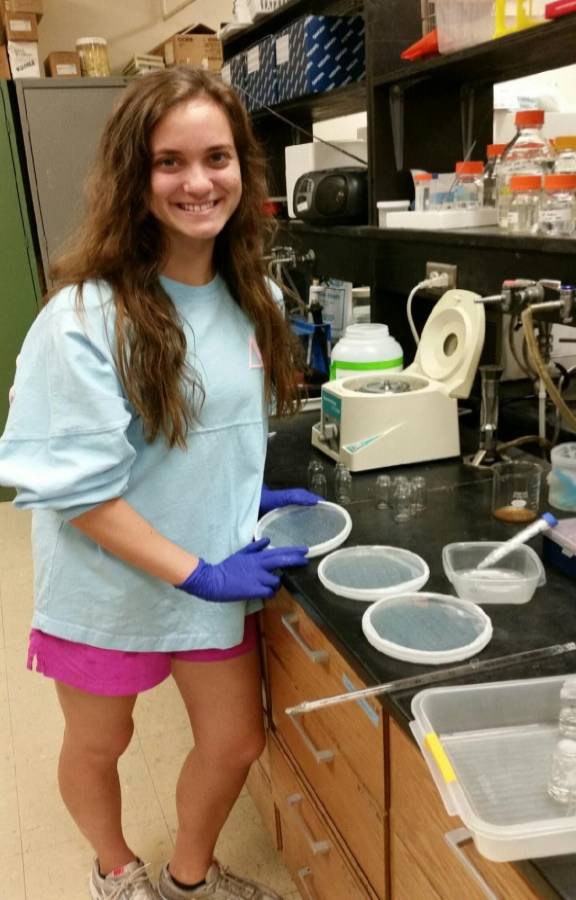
<point x="195" y="183"/>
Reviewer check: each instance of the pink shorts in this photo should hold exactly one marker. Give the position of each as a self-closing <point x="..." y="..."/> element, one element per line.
<point x="117" y="673"/>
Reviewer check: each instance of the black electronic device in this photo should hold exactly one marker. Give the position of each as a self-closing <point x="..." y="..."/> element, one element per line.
<point x="333" y="196"/>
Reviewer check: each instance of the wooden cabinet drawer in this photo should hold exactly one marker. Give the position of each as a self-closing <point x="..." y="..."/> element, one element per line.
<point x="322" y="750"/>
<point x="309" y="849"/>
<point x="419" y="819"/>
<point x="318" y="670"/>
<point x="408" y="880"/>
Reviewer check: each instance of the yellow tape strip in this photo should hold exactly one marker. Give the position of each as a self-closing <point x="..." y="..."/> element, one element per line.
<point x="432" y="741"/>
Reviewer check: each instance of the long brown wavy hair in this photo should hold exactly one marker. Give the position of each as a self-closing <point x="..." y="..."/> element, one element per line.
<point x="122" y="243"/>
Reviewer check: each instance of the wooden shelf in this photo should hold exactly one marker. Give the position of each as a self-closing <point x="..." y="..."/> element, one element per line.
<point x="534" y="50"/>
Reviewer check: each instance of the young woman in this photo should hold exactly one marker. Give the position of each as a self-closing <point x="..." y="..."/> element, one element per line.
<point x="137" y="434"/>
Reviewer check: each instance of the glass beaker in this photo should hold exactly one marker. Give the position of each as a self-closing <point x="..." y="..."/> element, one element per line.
<point x="516" y="491"/>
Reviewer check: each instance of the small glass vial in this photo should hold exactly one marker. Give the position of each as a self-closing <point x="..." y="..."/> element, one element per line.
<point x="417" y="495"/>
<point x="422" y="183"/>
<point x="401" y="500"/>
<point x="567" y="717"/>
<point x="565" y="162"/>
<point x="314" y="467"/>
<point x="562" y="784"/>
<point x="318" y="484"/>
<point x="557" y="214"/>
<point x="524" y="204"/>
<point x="467" y="190"/>
<point x="93" y="53"/>
<point x="343" y="484"/>
<point x="383" y="492"/>
<point x="490" y="174"/>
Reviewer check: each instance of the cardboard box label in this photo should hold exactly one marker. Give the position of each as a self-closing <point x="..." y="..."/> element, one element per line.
<point x="66" y="69"/>
<point x="24" y="61"/>
<point x="283" y="49"/>
<point x="20" y="25"/>
<point x="253" y="60"/>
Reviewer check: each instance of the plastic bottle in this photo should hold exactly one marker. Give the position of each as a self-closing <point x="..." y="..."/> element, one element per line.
<point x="314" y="296"/>
<point x="524" y="204"/>
<point x="490" y="174"/>
<point x="562" y="784"/>
<point x="557" y="215"/>
<point x="467" y="190"/>
<point x="528" y="153"/>
<point x="567" y="717"/>
<point x="422" y="183"/>
<point x="365" y="349"/>
<point x="565" y="147"/>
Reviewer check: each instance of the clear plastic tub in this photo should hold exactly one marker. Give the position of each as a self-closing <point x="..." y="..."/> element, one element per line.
<point x="322" y="527"/>
<point x="562" y="478"/>
<point x="369" y="573"/>
<point x="512" y="580"/>
<point x="489" y="749"/>
<point x="463" y="23"/>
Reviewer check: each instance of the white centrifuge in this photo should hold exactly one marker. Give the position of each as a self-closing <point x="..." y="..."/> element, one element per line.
<point x="373" y="421"/>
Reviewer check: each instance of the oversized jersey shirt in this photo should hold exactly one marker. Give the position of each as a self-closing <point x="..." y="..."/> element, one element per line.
<point x="73" y="441"/>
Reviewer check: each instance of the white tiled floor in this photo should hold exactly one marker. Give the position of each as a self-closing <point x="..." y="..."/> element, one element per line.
<point x="42" y="856"/>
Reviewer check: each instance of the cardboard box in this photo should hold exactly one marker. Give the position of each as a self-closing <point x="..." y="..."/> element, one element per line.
<point x="20" y="26"/>
<point x="24" y="60"/>
<point x="62" y="64"/>
<point x="26" y="6"/>
<point x="4" y="64"/>
<point x="194" y="46"/>
<point x="319" y="53"/>
<point x="261" y="75"/>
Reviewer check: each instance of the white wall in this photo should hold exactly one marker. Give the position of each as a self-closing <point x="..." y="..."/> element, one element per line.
<point x="130" y="26"/>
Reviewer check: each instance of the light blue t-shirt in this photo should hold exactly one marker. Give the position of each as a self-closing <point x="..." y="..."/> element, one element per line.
<point x="73" y="441"/>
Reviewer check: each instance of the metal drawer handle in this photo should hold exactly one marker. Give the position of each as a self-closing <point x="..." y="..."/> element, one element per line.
<point x="461" y="836"/>
<point x="316" y="656"/>
<point x="293" y="803"/>
<point x="321" y="756"/>
<point x="303" y="874"/>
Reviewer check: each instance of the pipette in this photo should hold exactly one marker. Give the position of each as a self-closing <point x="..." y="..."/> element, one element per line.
<point x="401" y="684"/>
<point x="546" y="521"/>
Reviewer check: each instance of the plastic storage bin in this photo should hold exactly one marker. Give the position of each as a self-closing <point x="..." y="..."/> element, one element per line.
<point x="369" y="573"/>
<point x="513" y="580"/>
<point x="489" y="749"/>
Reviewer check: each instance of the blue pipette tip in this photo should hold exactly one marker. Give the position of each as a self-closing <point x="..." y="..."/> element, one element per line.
<point x="552" y="520"/>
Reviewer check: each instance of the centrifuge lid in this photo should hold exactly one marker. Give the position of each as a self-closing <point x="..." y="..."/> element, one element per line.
<point x="369" y="573"/>
<point x="451" y="342"/>
<point x="429" y="629"/>
<point x="321" y="528"/>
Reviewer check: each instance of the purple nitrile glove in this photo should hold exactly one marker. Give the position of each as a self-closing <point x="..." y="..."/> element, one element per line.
<point x="247" y="573"/>
<point x="270" y="500"/>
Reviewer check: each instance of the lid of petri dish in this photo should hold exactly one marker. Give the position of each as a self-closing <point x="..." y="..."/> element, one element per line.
<point x="321" y="528"/>
<point x="429" y="629"/>
<point x="369" y="573"/>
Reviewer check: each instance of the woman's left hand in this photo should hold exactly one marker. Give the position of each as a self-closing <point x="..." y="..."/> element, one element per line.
<point x="270" y="500"/>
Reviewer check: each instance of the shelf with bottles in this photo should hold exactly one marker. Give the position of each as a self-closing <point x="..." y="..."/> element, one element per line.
<point x="545" y="46"/>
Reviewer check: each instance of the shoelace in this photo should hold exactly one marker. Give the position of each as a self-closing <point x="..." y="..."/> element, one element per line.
<point x="238" y="886"/>
<point x="127" y="888"/>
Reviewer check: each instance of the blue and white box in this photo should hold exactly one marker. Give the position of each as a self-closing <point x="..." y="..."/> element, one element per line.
<point x="261" y="75"/>
<point x="319" y="53"/>
<point x="234" y="73"/>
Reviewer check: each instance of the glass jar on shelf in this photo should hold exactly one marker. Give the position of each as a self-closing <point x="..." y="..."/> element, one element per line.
<point x="422" y="181"/>
<point x="524" y="204"/>
<point x="490" y="174"/>
<point x="93" y="53"/>
<point x="529" y="152"/>
<point x="565" y="147"/>
<point x="467" y="190"/>
<point x="557" y="215"/>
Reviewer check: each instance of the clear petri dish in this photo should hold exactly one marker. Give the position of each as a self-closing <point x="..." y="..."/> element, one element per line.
<point x="371" y="572"/>
<point x="429" y="629"/>
<point x="321" y="528"/>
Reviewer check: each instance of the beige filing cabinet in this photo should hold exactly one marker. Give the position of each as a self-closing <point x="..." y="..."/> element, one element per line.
<point x="345" y="793"/>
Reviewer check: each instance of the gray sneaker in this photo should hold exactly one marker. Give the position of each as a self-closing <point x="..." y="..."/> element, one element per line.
<point x="131" y="882"/>
<point x="220" y="885"/>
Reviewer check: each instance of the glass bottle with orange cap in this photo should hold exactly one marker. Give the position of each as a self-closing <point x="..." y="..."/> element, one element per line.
<point x="528" y="153"/>
<point x="467" y="190"/>
<point x="524" y="205"/>
<point x="557" y="215"/>
<point x="490" y="174"/>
